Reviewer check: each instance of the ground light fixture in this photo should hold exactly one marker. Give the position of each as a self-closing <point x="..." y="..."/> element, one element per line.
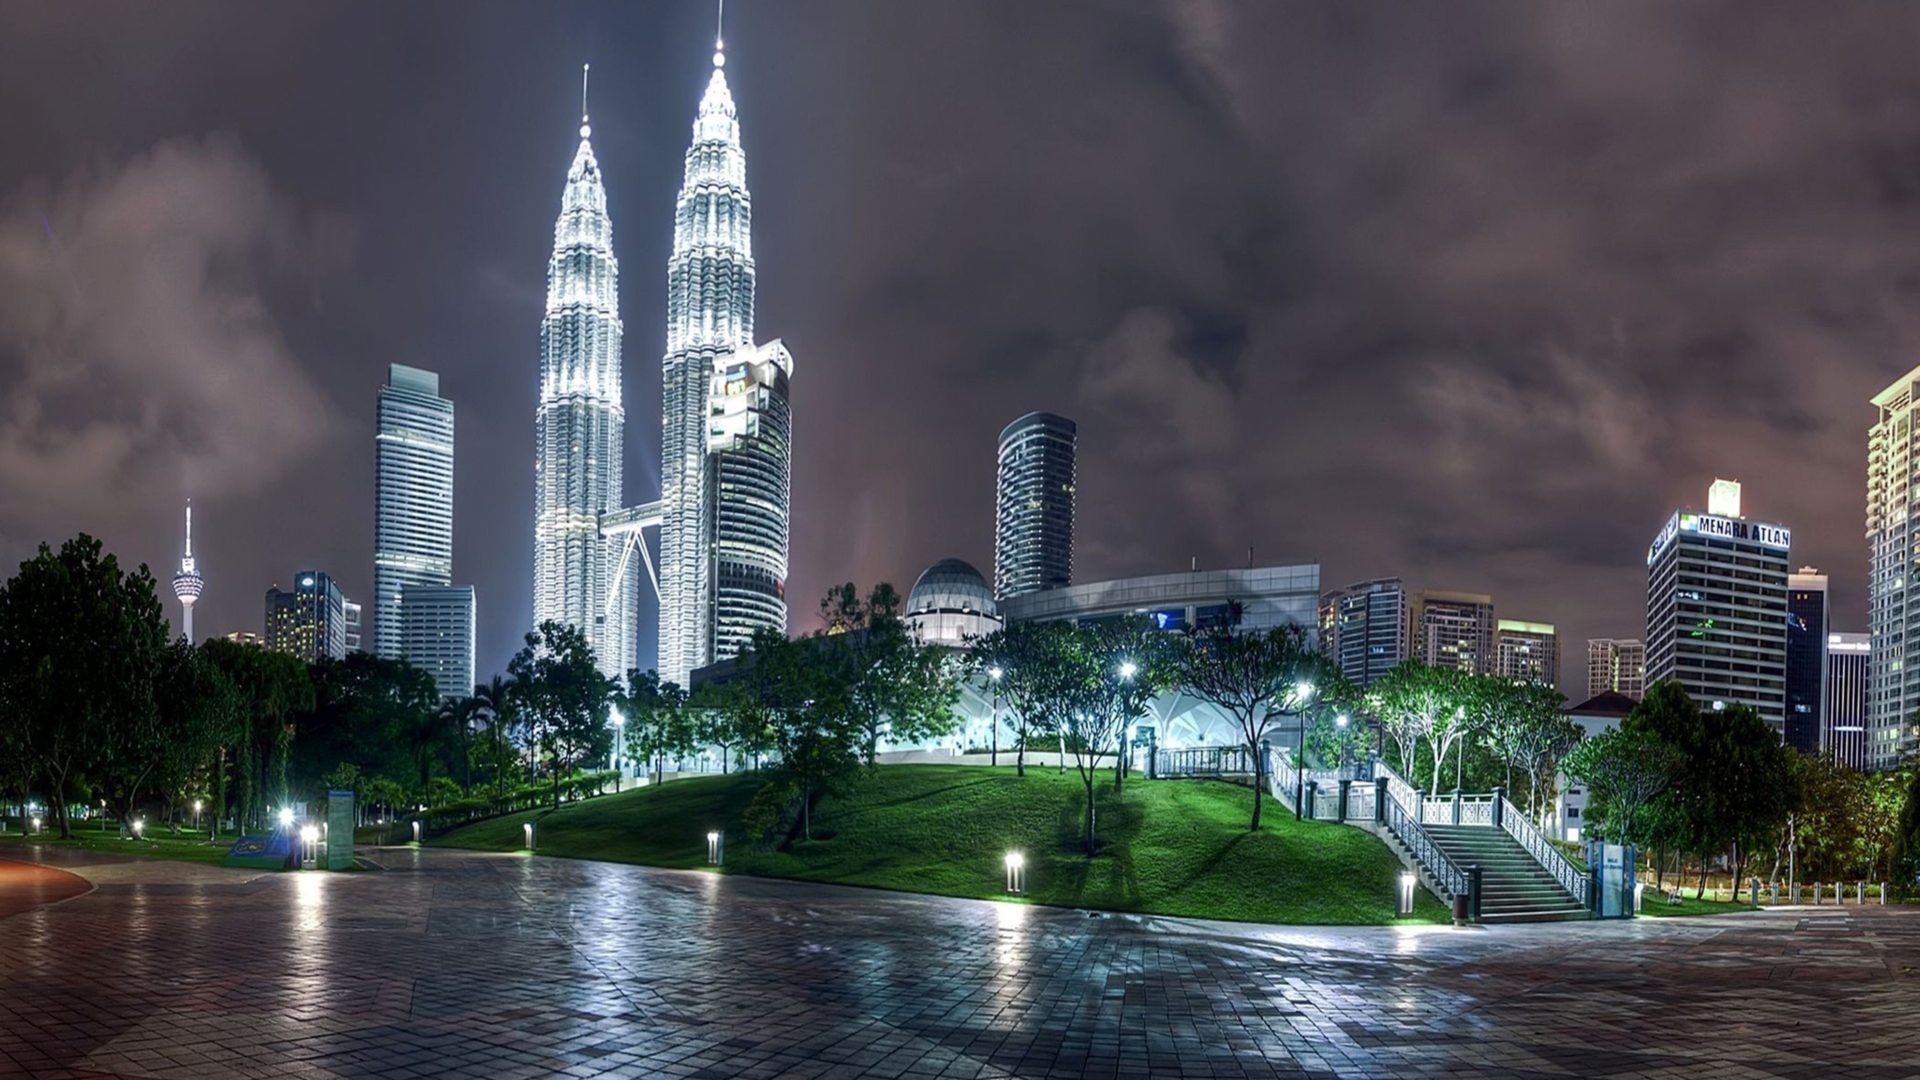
<point x="139" y="826"/>
<point x="1016" y="873"/>
<point x="36" y="826"/>
<point x="416" y="832"/>
<point x="1403" y="898"/>
<point x="716" y="848"/>
<point x="309" y="847"/>
<point x="526" y="833"/>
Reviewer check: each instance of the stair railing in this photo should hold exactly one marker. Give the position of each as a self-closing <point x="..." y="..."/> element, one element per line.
<point x="1551" y="859"/>
<point x="1398" y="811"/>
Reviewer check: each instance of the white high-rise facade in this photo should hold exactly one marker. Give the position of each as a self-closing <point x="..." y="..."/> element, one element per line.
<point x="579" y="426"/>
<point x="1893" y="577"/>
<point x="437" y="635"/>
<point x="413" y="497"/>
<point x="725" y="426"/>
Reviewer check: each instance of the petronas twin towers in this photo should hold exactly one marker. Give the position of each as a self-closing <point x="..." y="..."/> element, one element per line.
<point x="725" y="450"/>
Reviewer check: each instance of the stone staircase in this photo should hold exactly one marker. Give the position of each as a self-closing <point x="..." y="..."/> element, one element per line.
<point x="1513" y="887"/>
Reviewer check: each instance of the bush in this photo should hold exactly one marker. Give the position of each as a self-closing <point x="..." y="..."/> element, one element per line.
<point x="459" y="812"/>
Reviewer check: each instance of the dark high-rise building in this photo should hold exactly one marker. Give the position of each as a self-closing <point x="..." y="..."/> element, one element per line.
<point x="1717" y="606"/>
<point x="1454" y="630"/>
<point x="309" y="622"/>
<point x="1033" y="520"/>
<point x="1363" y="628"/>
<point x="1806" y="657"/>
<point x="1843" y="727"/>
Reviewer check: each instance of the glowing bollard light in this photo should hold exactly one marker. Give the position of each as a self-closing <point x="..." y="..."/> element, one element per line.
<point x="286" y="818"/>
<point x="36" y="826"/>
<point x="716" y="848"/>
<point x="526" y="831"/>
<point x="139" y="826"/>
<point x="416" y="832"/>
<point x="1016" y="873"/>
<point x="1403" y="898"/>
<point x="309" y="847"/>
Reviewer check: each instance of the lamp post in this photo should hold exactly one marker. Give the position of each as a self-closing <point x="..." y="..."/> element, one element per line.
<point x="994" y="674"/>
<point x="196" y="813"/>
<point x="619" y="749"/>
<point x="1121" y="751"/>
<point x="1302" y="694"/>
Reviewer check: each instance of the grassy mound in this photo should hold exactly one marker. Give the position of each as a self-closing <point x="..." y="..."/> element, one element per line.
<point x="193" y="847"/>
<point x="1172" y="847"/>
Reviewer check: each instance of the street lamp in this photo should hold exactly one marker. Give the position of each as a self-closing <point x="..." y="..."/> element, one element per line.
<point x="286" y="817"/>
<point x="994" y="673"/>
<point x="1460" y="761"/>
<point x="1302" y="693"/>
<point x="196" y="813"/>
<point x="619" y="748"/>
<point x="1127" y="670"/>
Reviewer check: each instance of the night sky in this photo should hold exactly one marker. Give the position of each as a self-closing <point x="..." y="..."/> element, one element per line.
<point x="1473" y="294"/>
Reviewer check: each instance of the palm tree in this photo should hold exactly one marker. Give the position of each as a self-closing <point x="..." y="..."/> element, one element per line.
<point x="494" y="699"/>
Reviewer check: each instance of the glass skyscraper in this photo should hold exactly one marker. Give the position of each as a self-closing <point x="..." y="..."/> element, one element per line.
<point x="1033" y="507"/>
<point x="726" y="421"/>
<point x="437" y="635"/>
<point x="1807" y="626"/>
<point x="413" y="508"/>
<point x="1363" y="628"/>
<point x="579" y="427"/>
<point x="309" y="622"/>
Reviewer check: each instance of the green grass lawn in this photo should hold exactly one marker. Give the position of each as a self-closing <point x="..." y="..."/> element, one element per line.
<point x="1651" y="904"/>
<point x="1173" y="847"/>
<point x="192" y="847"/>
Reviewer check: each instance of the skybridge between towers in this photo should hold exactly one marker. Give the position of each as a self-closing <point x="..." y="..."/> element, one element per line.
<point x="632" y="523"/>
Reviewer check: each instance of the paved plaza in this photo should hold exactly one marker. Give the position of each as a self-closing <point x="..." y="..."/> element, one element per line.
<point x="457" y="964"/>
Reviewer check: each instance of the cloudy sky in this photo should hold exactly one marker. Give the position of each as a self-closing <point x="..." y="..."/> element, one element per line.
<point x="1474" y="294"/>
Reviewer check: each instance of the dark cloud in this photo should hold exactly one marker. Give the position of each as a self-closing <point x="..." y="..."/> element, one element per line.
<point x="1472" y="293"/>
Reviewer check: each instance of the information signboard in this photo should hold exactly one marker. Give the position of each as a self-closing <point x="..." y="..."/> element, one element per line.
<point x="339" y="830"/>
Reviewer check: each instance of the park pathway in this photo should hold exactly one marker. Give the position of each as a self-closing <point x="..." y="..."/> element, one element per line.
<point x="466" y="964"/>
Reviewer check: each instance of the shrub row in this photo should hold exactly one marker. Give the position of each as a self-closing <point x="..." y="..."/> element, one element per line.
<point x="439" y="819"/>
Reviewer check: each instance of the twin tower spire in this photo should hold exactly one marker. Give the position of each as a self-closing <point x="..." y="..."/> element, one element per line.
<point x="726" y="422"/>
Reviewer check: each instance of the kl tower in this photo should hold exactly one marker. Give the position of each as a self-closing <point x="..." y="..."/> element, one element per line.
<point x="188" y="582"/>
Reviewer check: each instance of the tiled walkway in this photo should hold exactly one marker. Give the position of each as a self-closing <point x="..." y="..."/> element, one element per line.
<point x="452" y="964"/>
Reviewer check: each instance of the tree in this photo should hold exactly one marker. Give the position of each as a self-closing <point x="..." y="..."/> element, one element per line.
<point x="1025" y="654"/>
<point x="494" y="701"/>
<point x="1904" y="858"/>
<point x="562" y="697"/>
<point x="272" y="687"/>
<point x="1110" y="672"/>
<point x="199" y="711"/>
<point x="1623" y="774"/>
<point x="1523" y="726"/>
<point x="1410" y="701"/>
<point x="897" y="687"/>
<point x="787" y="699"/>
<point x="1251" y="677"/>
<point x="80" y="648"/>
<point x="658" y="722"/>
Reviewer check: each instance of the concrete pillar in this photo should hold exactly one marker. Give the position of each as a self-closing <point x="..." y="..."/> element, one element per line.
<point x="1499" y="801"/>
<point x="1346" y="789"/>
<point x="1306" y="800"/>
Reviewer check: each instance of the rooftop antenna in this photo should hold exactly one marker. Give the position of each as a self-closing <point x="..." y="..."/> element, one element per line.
<point x="585" y="130"/>
<point x="720" y="35"/>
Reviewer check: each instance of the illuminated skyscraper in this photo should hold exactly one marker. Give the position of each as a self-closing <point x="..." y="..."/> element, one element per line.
<point x="725" y="426"/>
<point x="1618" y="665"/>
<point x="579" y="425"/>
<point x="1893" y="585"/>
<point x="1454" y="630"/>
<point x="413" y="496"/>
<point x="187" y="583"/>
<point x="1033" y="506"/>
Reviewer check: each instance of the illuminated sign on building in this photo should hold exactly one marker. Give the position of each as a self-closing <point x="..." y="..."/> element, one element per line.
<point x="1720" y="528"/>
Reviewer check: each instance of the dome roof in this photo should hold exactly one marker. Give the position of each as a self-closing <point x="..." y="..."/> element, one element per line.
<point x="952" y="585"/>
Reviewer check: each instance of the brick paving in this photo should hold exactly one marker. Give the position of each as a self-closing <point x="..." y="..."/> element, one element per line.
<point x="459" y="964"/>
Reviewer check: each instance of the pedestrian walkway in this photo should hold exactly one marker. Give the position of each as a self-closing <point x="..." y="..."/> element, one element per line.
<point x="464" y="964"/>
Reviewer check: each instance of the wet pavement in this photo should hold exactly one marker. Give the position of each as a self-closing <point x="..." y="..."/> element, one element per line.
<point x="461" y="964"/>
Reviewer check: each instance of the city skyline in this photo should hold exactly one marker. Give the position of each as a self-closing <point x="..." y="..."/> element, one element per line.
<point x="437" y="271"/>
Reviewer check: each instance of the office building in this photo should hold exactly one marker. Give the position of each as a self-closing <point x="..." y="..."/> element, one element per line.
<point x="1607" y="709"/>
<point x="1363" y="628"/>
<point x="1454" y="630"/>
<point x="437" y="635"/>
<point x="187" y="582"/>
<point x="1843" y="728"/>
<point x="245" y="637"/>
<point x="1617" y="665"/>
<point x="1033" y="508"/>
<point x="726" y="426"/>
<point x="1268" y="596"/>
<point x="1717" y="607"/>
<point x="750" y="467"/>
<point x="309" y="621"/>
<point x="1527" y="652"/>
<point x="951" y="604"/>
<point x="1807" y="627"/>
<point x="413" y="496"/>
<point x="1893" y="589"/>
<point x="351" y="614"/>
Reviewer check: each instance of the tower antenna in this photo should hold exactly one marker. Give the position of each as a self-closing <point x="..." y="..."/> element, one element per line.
<point x="720" y="26"/>
<point x="584" y="68"/>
